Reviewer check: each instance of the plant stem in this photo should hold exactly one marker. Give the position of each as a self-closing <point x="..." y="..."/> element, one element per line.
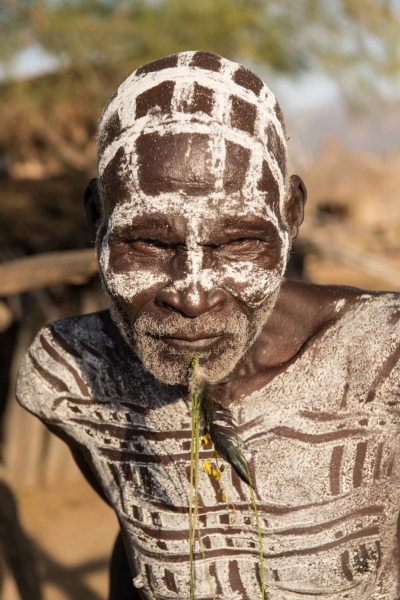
<point x="205" y="562"/>
<point x="194" y="483"/>
<point x="194" y="473"/>
<point x="253" y="499"/>
<point x="191" y="524"/>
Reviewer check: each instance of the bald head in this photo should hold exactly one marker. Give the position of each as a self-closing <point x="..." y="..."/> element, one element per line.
<point x="197" y="124"/>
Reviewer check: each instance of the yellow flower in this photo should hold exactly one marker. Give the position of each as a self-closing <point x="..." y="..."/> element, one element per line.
<point x="207" y="467"/>
<point x="207" y="441"/>
<point x="216" y="475"/>
<point x="223" y="499"/>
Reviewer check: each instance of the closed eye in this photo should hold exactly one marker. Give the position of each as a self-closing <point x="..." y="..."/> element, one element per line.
<point x="155" y="244"/>
<point x="241" y="241"/>
<point x="234" y="242"/>
<point x="241" y="244"/>
<point x="143" y="245"/>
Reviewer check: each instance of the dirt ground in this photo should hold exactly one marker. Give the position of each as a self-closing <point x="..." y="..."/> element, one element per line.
<point x="73" y="531"/>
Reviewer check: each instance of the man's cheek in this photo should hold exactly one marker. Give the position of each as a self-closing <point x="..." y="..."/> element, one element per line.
<point x="250" y="283"/>
<point x="129" y="284"/>
<point x="135" y="284"/>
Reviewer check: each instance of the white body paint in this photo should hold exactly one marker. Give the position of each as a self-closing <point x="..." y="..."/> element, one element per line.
<point x="217" y="125"/>
<point x="320" y="514"/>
<point x="323" y="432"/>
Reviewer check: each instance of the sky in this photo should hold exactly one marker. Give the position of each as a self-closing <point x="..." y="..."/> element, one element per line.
<point x="30" y="62"/>
<point x="296" y="95"/>
<point x="312" y="102"/>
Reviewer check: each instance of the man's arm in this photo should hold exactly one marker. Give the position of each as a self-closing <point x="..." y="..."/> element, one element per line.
<point x="48" y="376"/>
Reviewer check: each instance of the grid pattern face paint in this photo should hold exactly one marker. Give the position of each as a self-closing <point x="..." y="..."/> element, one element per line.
<point x="226" y="134"/>
<point x="197" y="96"/>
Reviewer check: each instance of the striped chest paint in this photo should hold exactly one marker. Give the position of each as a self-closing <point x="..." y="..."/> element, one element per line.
<point x="323" y="436"/>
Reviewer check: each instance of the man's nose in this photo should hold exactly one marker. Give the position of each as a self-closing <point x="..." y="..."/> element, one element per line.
<point x="190" y="300"/>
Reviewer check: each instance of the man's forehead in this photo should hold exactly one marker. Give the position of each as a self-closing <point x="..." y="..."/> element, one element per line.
<point x="200" y="215"/>
<point x="192" y="165"/>
<point x="193" y="123"/>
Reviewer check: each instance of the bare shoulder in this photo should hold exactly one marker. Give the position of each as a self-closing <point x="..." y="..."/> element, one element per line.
<point x="321" y="305"/>
<point x="65" y="361"/>
<point x="358" y="332"/>
<point x="368" y="310"/>
<point x="365" y="322"/>
<point x="370" y="321"/>
<point x="75" y="334"/>
<point x="348" y="316"/>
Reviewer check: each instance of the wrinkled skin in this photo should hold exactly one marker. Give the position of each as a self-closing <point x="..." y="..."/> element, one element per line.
<point x="159" y="243"/>
<point x="210" y="261"/>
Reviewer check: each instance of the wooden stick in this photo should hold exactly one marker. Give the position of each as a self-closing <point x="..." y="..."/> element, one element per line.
<point x="44" y="270"/>
<point x="6" y="317"/>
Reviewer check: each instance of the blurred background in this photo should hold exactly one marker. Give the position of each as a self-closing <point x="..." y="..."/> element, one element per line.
<point x="333" y="65"/>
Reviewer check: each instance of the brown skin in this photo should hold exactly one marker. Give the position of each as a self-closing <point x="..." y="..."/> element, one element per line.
<point x="158" y="242"/>
<point x="301" y="310"/>
<point x="301" y="313"/>
<point x="179" y="161"/>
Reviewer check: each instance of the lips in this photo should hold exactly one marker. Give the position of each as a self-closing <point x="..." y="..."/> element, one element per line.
<point x="200" y="341"/>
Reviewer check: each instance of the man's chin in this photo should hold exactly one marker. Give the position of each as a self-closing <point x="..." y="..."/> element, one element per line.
<point x="174" y="368"/>
<point x="171" y="364"/>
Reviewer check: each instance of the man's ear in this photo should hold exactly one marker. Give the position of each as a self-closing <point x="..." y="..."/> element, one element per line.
<point x="294" y="206"/>
<point x="91" y="198"/>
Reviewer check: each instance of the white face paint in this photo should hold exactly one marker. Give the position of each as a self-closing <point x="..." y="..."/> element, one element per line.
<point x="236" y="153"/>
<point x="217" y="123"/>
<point x="126" y="285"/>
<point x="244" y="279"/>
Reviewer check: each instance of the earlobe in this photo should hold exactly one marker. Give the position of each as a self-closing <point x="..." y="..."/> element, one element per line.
<point x="295" y="205"/>
<point x="91" y="198"/>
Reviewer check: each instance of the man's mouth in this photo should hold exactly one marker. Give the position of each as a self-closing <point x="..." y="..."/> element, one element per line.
<point x="198" y="341"/>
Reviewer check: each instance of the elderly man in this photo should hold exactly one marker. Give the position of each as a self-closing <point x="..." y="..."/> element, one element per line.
<point x="194" y="214"/>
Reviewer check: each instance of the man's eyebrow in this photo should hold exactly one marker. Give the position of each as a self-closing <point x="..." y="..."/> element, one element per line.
<point x="237" y="225"/>
<point x="143" y="221"/>
<point x="146" y="226"/>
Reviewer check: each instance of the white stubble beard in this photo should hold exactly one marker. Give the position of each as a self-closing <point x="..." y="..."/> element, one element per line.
<point x="144" y="336"/>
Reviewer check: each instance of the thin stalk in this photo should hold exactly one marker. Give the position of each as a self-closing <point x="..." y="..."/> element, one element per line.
<point x="194" y="473"/>
<point x="253" y="499"/>
<point x="191" y="524"/>
<point x="194" y="482"/>
<point x="196" y="462"/>
<point x="205" y="564"/>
